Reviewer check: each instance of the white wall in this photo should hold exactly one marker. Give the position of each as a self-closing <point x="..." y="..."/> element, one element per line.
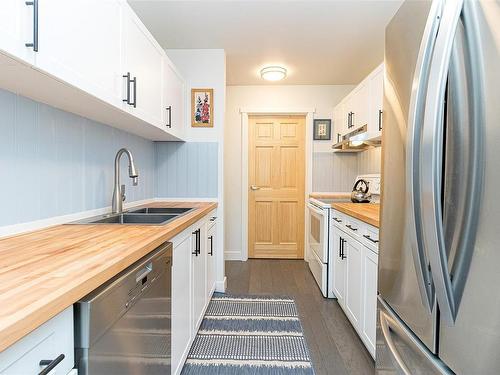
<point x="323" y="98"/>
<point x="206" y="68"/>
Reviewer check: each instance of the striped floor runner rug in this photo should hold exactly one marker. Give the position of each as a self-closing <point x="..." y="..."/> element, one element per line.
<point x="249" y="335"/>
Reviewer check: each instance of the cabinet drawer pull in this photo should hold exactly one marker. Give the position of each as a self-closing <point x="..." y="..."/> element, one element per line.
<point x="51" y="364"/>
<point x="211" y="238"/>
<point x="337" y="219"/>
<point x="169" y="109"/>
<point x="367" y="236"/>
<point x="34" y="44"/>
<point x="343" y="256"/>
<point x="351" y="228"/>
<point x="380" y="112"/>
<point x="197" y="242"/>
<point x="213" y="218"/>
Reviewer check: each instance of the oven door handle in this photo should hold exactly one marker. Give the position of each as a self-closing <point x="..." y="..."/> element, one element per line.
<point x="315" y="209"/>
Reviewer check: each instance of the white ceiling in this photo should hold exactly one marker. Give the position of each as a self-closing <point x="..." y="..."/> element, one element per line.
<point x="319" y="42"/>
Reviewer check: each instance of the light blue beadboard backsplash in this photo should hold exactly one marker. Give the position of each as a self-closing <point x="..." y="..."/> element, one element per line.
<point x="55" y="163"/>
<point x="186" y="170"/>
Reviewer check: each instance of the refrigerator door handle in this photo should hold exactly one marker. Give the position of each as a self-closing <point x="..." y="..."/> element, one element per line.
<point x="391" y="326"/>
<point x="448" y="291"/>
<point x="415" y="119"/>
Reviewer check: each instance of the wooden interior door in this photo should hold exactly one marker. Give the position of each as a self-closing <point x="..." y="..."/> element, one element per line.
<point x="276" y="187"/>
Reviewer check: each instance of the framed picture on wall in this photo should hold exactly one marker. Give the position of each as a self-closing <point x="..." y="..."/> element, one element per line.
<point x="202" y="108"/>
<point x="322" y="130"/>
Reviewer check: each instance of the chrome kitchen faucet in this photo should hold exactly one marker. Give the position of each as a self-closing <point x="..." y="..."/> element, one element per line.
<point x="119" y="192"/>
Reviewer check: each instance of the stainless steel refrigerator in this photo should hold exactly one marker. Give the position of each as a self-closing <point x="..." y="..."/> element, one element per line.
<point x="439" y="261"/>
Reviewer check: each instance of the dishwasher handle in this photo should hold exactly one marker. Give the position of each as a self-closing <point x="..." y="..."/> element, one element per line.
<point x="144" y="272"/>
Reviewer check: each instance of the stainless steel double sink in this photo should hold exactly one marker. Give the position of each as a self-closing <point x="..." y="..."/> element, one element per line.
<point x="144" y="216"/>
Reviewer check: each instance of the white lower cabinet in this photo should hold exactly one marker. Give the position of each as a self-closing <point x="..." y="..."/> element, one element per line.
<point x="181" y="300"/>
<point x="50" y="343"/>
<point x="193" y="271"/>
<point x="198" y="276"/>
<point x="369" y="297"/>
<point x="353" y="253"/>
<point x="355" y="272"/>
<point x="211" y="258"/>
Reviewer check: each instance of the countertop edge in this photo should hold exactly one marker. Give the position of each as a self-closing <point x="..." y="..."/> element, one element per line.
<point x="11" y="333"/>
<point x="357" y="214"/>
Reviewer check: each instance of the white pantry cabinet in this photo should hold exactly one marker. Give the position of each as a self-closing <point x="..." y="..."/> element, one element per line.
<point x="51" y="342"/>
<point x="355" y="272"/>
<point x="190" y="279"/>
<point x="16" y="29"/>
<point x="79" y="43"/>
<point x="174" y="95"/>
<point x="142" y="60"/>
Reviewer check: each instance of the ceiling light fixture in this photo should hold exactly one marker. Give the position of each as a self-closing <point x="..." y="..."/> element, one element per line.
<point x="273" y="73"/>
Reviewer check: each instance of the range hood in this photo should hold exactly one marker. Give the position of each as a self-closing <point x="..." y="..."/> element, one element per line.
<point x="358" y="140"/>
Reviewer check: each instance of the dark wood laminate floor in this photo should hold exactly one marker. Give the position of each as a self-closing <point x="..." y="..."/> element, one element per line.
<point x="334" y="346"/>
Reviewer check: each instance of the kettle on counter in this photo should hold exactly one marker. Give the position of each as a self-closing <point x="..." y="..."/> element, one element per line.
<point x="360" y="192"/>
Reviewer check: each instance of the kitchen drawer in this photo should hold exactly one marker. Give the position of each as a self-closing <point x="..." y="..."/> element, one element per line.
<point x="354" y="227"/>
<point x="47" y="342"/>
<point x="337" y="218"/>
<point x="370" y="237"/>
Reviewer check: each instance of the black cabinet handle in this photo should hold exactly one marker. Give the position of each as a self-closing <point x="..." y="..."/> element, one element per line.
<point x="51" y="364"/>
<point x="211" y="238"/>
<point x="337" y="219"/>
<point x="380" y="112"/>
<point x="169" y="109"/>
<point x="127" y="99"/>
<point x="342" y="241"/>
<point x="34" y="44"/>
<point x="134" y="81"/>
<point x="213" y="218"/>
<point x="196" y="242"/>
<point x="369" y="238"/>
<point x="340" y="248"/>
<point x="351" y="228"/>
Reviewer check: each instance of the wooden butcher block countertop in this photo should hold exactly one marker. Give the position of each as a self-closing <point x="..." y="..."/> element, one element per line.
<point x="44" y="272"/>
<point x="367" y="212"/>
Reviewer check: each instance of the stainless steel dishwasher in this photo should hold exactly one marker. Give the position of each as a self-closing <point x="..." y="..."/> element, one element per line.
<point x="124" y="326"/>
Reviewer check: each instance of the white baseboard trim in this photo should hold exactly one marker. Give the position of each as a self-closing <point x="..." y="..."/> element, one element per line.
<point x="14" y="229"/>
<point x="221" y="286"/>
<point x="232" y="255"/>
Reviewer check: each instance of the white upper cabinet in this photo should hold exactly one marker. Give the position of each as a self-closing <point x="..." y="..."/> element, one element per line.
<point x="376" y="99"/>
<point x="174" y="95"/>
<point x="142" y="60"/>
<point x="360" y="105"/>
<point x="94" y="58"/>
<point x="79" y="42"/>
<point x="17" y="28"/>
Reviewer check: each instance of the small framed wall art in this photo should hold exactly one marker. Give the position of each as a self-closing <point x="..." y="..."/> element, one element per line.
<point x="202" y="108"/>
<point x="322" y="129"/>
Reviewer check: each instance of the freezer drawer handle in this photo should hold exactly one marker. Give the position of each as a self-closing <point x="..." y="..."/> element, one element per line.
<point x="351" y="228"/>
<point x="367" y="236"/>
<point x="51" y="364"/>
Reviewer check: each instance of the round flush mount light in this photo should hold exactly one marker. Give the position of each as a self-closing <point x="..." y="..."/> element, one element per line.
<point x="273" y="73"/>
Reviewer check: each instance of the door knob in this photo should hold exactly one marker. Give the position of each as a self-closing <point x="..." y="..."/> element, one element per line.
<point x="254" y="187"/>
